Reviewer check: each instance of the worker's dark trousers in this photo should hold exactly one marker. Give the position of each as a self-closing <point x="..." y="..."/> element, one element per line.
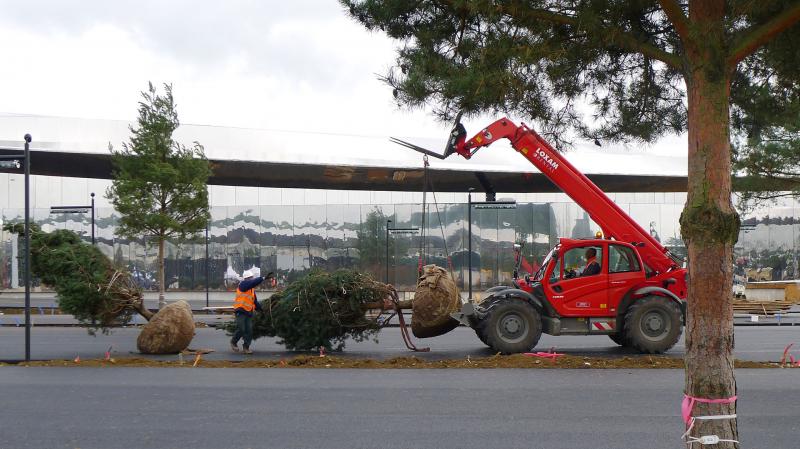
<point x="244" y="329"/>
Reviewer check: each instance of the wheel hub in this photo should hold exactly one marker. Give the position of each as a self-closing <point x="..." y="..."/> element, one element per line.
<point x="654" y="324"/>
<point x="512" y="327"/>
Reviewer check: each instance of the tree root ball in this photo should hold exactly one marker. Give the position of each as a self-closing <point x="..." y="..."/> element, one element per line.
<point x="436" y="298"/>
<point x="169" y="332"/>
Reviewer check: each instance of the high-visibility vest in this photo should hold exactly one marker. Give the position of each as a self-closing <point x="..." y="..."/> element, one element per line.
<point x="245" y="300"/>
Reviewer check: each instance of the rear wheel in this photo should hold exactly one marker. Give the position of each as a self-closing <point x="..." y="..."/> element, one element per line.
<point x="512" y="326"/>
<point x="653" y="324"/>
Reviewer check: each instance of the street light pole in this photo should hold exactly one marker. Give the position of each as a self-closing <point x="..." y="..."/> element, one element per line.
<point x="206" y="264"/>
<point x="78" y="210"/>
<point x="27" y="163"/>
<point x="469" y="244"/>
<point x="388" y="223"/>
<point x="93" y="241"/>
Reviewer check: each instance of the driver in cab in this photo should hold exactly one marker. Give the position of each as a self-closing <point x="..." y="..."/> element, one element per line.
<point x="592" y="266"/>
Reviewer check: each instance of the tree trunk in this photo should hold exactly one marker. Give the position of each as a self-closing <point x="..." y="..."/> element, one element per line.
<point x="161" y="286"/>
<point x="143" y="311"/>
<point x="709" y="226"/>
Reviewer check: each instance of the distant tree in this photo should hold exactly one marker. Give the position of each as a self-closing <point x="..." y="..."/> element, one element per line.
<point x="372" y="243"/>
<point x="644" y="69"/>
<point x="159" y="186"/>
<point x="767" y="151"/>
<point x="752" y="221"/>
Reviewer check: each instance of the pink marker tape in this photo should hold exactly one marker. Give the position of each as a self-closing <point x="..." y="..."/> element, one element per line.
<point x="688" y="404"/>
<point x="545" y="355"/>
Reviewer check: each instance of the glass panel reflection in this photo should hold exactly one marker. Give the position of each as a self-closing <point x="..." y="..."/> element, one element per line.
<point x="290" y="240"/>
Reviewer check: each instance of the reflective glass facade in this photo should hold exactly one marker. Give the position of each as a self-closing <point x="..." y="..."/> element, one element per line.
<point x="293" y="230"/>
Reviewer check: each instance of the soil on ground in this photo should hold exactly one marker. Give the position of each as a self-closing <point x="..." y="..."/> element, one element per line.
<point x="308" y="361"/>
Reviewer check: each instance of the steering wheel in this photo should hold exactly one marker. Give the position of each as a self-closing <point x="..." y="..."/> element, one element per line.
<point x="569" y="274"/>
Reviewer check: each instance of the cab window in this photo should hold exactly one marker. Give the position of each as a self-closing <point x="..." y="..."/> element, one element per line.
<point x="556" y="273"/>
<point x="622" y="259"/>
<point x="576" y="261"/>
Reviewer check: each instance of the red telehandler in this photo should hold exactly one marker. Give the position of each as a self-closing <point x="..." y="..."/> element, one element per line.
<point x="637" y="295"/>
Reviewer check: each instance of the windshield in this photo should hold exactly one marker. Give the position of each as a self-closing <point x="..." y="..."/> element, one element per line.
<point x="540" y="272"/>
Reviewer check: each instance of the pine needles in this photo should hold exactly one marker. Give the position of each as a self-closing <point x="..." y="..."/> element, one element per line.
<point x="87" y="283"/>
<point x="321" y="310"/>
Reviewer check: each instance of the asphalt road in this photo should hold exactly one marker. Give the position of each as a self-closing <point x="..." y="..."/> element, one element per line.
<point x="108" y="408"/>
<point x="757" y="343"/>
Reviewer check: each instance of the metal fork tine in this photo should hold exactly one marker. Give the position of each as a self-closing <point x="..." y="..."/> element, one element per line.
<point x="416" y="148"/>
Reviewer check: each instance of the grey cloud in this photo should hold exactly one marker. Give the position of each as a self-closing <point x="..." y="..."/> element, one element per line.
<point x="203" y="33"/>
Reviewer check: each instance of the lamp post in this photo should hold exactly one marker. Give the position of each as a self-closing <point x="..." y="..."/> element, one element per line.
<point x="480" y="205"/>
<point x="27" y="164"/>
<point x="92" y="195"/>
<point x="408" y="231"/>
<point x="469" y="242"/>
<point x="77" y="210"/>
<point x="206" y="265"/>
<point x="388" y="224"/>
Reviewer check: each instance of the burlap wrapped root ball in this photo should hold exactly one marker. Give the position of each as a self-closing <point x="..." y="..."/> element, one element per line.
<point x="170" y="331"/>
<point x="436" y="298"/>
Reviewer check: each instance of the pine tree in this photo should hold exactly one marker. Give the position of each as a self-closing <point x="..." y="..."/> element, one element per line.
<point x="320" y="309"/>
<point x="644" y="69"/>
<point x="159" y="185"/>
<point x="88" y="285"/>
<point x="371" y="241"/>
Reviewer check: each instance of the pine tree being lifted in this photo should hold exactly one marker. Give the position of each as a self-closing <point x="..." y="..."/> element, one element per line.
<point x="89" y="286"/>
<point x="323" y="310"/>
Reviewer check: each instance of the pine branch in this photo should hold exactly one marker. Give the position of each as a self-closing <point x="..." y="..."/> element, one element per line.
<point x="679" y="20"/>
<point x="608" y="35"/>
<point x="749" y="40"/>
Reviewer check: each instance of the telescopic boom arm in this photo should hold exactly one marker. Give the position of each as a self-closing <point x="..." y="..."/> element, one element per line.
<point x="614" y="222"/>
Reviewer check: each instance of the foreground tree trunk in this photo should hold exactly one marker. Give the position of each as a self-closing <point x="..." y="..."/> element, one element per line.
<point x="161" y="287"/>
<point x="709" y="226"/>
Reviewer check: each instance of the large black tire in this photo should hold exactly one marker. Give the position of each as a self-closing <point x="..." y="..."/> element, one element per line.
<point x="620" y="338"/>
<point x="511" y="326"/>
<point x="481" y="337"/>
<point x="653" y="324"/>
<point x="480" y="328"/>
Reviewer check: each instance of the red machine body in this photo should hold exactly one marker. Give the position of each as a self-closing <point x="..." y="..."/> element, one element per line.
<point x="637" y="297"/>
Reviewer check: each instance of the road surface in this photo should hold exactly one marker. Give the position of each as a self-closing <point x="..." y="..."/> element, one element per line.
<point x="756" y="343"/>
<point x="109" y="408"/>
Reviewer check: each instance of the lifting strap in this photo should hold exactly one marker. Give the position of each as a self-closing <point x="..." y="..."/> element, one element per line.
<point x="423" y="243"/>
<point x="403" y="328"/>
<point x="422" y="250"/>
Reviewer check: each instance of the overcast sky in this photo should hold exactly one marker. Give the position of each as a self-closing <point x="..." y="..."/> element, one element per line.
<point x="288" y="65"/>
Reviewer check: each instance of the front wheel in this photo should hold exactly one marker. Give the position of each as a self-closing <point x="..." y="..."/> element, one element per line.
<point x="512" y="326"/>
<point x="653" y="324"/>
<point x="620" y="338"/>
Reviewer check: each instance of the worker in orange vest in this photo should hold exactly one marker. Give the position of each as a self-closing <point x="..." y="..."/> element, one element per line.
<point x="244" y="306"/>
